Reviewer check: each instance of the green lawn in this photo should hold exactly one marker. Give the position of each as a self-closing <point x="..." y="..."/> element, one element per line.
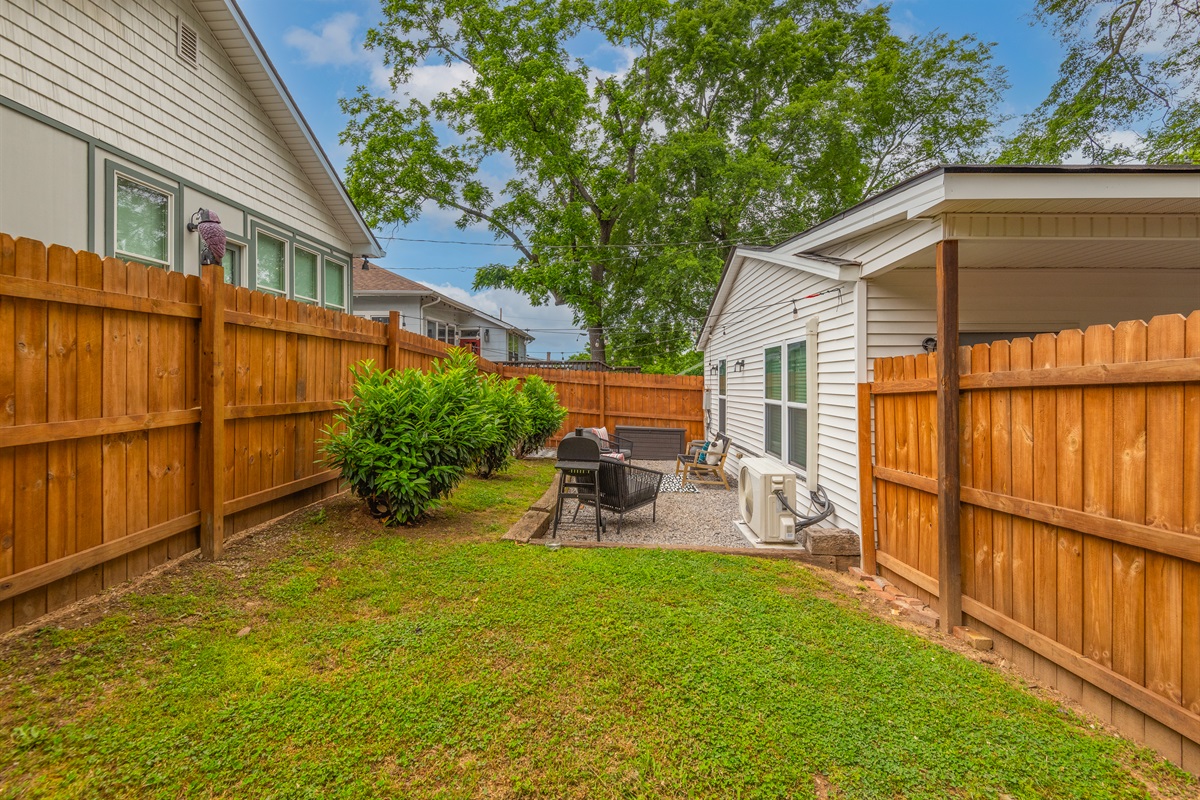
<point x="438" y="662"/>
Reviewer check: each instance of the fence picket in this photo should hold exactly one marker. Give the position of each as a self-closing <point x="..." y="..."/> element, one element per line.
<point x="1164" y="509"/>
<point x="61" y="386"/>
<point x="1072" y="468"/>
<point x="1097" y="466"/>
<point x="8" y="264"/>
<point x="29" y="524"/>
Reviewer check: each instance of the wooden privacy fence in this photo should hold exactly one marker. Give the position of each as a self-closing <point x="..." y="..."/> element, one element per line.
<point x="144" y="413"/>
<point x="1080" y="510"/>
<point x="608" y="399"/>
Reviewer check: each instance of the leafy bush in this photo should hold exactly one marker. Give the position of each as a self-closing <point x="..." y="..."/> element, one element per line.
<point x="410" y="437"/>
<point x="545" y="414"/>
<point x="509" y="410"/>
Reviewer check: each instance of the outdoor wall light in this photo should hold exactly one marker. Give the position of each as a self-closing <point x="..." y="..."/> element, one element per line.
<point x="739" y="365"/>
<point x="712" y="370"/>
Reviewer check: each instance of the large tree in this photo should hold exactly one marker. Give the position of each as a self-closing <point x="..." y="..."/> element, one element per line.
<point x="735" y="121"/>
<point x="1131" y="66"/>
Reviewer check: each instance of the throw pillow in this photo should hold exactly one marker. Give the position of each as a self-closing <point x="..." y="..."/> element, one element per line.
<point x="713" y="451"/>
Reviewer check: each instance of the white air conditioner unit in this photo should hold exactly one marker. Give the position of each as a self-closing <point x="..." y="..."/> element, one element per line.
<point x="762" y="512"/>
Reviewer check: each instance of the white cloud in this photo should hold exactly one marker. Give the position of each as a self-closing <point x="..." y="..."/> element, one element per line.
<point x="426" y="82"/>
<point x="337" y="42"/>
<point x="332" y="44"/>
<point x="1129" y="139"/>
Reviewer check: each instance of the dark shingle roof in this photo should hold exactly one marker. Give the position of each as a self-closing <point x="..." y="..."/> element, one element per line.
<point x="371" y="278"/>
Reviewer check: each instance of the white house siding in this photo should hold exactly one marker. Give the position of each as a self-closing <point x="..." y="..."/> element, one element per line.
<point x="493" y="348"/>
<point x="902" y="309"/>
<point x="45" y="182"/>
<point x="368" y="305"/>
<point x="744" y="329"/>
<point x="110" y="71"/>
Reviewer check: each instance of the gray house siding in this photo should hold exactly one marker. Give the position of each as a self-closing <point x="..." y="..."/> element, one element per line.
<point x="89" y="91"/>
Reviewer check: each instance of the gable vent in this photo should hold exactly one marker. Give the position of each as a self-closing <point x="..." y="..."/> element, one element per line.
<point x="187" y="44"/>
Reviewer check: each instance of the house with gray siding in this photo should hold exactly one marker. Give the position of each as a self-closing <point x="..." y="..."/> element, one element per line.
<point x="794" y="328"/>
<point x="120" y="120"/>
<point x="379" y="291"/>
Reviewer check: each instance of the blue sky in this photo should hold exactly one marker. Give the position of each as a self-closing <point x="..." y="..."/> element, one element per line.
<point x="316" y="46"/>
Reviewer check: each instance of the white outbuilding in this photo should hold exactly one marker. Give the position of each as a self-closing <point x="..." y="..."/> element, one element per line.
<point x="793" y="328"/>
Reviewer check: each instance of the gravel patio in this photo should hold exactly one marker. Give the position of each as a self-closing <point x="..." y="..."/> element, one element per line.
<point x="702" y="518"/>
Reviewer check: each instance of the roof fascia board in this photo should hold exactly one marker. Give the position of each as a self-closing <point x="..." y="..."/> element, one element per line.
<point x="821" y="268"/>
<point x="889" y="211"/>
<point x="1071" y="186"/>
<point x="372" y="247"/>
<point x="880" y="266"/>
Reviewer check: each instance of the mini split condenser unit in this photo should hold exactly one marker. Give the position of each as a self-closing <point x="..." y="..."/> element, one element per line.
<point x="762" y="512"/>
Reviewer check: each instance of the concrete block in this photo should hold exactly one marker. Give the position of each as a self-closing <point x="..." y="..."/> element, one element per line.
<point x="972" y="637"/>
<point x="832" y="542"/>
<point x="532" y="525"/>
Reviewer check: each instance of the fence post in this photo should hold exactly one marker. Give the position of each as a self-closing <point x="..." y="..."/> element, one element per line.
<point x="393" y="344"/>
<point x="212" y="411"/>
<point x="866" y="481"/>
<point x="949" y="497"/>
<point x="603" y="400"/>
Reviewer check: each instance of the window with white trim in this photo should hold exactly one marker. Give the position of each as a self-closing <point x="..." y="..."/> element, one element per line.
<point x="796" y="387"/>
<point x="514" y="347"/>
<point x="270" y="263"/>
<point x="142" y="223"/>
<point x="335" y="284"/>
<point x="773" y="401"/>
<point x="441" y="331"/>
<point x="304" y="275"/>
<point x="786" y="402"/>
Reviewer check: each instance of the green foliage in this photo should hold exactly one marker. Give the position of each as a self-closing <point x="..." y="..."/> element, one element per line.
<point x="1130" y="67"/>
<point x="735" y="121"/>
<point x="545" y="414"/>
<point x="409" y="437"/>
<point x="509" y="409"/>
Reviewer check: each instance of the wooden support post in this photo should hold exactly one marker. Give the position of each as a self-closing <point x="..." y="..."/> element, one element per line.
<point x="949" y="501"/>
<point x="866" y="481"/>
<point x="393" y="345"/>
<point x="212" y="411"/>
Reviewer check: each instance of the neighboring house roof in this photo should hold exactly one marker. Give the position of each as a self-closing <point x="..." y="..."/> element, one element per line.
<point x="960" y="201"/>
<point x="246" y="52"/>
<point x="373" y="280"/>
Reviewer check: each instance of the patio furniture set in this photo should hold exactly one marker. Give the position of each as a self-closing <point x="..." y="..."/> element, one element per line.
<point x="597" y="472"/>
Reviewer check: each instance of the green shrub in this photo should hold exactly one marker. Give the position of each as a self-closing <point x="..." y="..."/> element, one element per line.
<point x="509" y="410"/>
<point x="409" y="437"/>
<point x="545" y="414"/>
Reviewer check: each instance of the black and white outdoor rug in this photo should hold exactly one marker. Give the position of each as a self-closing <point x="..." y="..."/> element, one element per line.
<point x="674" y="483"/>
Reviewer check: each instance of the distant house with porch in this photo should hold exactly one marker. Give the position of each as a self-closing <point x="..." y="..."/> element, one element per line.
<point x="119" y="120"/>
<point x="793" y="328"/>
<point x="379" y="291"/>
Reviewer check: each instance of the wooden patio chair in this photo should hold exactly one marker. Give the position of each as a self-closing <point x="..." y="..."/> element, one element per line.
<point x="697" y="466"/>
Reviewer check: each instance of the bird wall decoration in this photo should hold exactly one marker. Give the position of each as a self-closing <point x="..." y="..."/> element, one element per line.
<point x="212" y="236"/>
